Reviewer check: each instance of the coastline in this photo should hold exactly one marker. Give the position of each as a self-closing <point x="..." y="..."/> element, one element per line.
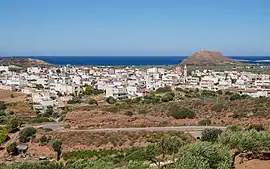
<point x="131" y="61"/>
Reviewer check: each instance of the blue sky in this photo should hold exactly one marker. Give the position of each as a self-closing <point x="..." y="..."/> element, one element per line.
<point x="134" y="27"/>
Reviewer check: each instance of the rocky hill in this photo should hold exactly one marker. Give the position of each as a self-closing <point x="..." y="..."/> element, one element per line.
<point x="22" y="61"/>
<point x="207" y="58"/>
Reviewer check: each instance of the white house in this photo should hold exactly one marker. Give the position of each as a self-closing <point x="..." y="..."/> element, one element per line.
<point x="254" y="93"/>
<point x="4" y="68"/>
<point x="117" y="92"/>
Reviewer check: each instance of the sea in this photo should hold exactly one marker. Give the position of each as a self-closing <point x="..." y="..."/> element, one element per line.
<point x="132" y="60"/>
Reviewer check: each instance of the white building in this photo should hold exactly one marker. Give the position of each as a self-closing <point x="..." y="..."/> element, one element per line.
<point x="117" y="92"/>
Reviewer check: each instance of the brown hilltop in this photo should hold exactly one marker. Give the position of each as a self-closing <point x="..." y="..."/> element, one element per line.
<point x="206" y="58"/>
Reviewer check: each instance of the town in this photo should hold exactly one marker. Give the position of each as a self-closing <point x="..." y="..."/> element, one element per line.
<point x="55" y="86"/>
<point x="61" y="113"/>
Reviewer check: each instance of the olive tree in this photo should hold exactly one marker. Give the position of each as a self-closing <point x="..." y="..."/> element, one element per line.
<point x="204" y="155"/>
<point x="12" y="148"/>
<point x="246" y="141"/>
<point x="211" y="134"/>
<point x="26" y="134"/>
<point x="57" y="147"/>
<point x="169" y="145"/>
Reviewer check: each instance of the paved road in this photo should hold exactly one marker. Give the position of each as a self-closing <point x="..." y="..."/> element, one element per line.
<point x="53" y="126"/>
<point x="133" y="129"/>
<point x="195" y="131"/>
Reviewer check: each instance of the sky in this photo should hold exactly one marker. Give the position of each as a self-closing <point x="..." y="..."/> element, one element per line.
<point x="134" y="27"/>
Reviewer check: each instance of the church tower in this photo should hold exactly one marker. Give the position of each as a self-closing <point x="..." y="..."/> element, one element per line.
<point x="185" y="71"/>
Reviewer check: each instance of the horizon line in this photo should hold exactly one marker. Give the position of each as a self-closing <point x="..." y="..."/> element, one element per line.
<point x="128" y="56"/>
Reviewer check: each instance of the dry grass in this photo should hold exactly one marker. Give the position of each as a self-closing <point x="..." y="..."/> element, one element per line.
<point x="255" y="111"/>
<point x="111" y="140"/>
<point x="5" y="96"/>
<point x="20" y="108"/>
<point x="18" y="104"/>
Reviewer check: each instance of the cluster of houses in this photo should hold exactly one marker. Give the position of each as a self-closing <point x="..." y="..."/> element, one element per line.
<point x="50" y="86"/>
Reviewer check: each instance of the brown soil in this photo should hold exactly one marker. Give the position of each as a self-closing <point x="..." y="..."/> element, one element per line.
<point x="98" y="119"/>
<point x="86" y="119"/>
<point x="110" y="140"/>
<point x="20" y="108"/>
<point x="5" y="96"/>
<point x="253" y="164"/>
<point x="18" y="104"/>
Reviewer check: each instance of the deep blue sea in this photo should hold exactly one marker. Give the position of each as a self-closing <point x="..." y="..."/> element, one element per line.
<point x="130" y="60"/>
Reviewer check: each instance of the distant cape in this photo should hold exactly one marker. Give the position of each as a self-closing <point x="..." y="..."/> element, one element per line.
<point x="21" y="61"/>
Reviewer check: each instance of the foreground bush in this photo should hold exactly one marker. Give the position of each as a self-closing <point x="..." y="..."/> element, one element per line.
<point x="210" y="135"/>
<point x="87" y="164"/>
<point x="246" y="141"/>
<point x="204" y="155"/>
<point x="2" y="105"/>
<point x="29" y="165"/>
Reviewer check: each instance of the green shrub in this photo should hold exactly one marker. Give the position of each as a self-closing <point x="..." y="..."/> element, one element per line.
<point x="220" y="92"/>
<point x="12" y="95"/>
<point x="2" y="105"/>
<point x="150" y="99"/>
<point x="3" y="135"/>
<point x="234" y="128"/>
<point x="40" y="120"/>
<point x="44" y="140"/>
<point x="210" y="135"/>
<point x="13" y="125"/>
<point x="2" y="113"/>
<point x="74" y="101"/>
<point x="168" y="97"/>
<point x="182" y="113"/>
<point x="129" y="113"/>
<point x="164" y="89"/>
<point x="245" y="96"/>
<point x="12" y="148"/>
<point x="205" y="122"/>
<point x="208" y="93"/>
<point x="217" y="107"/>
<point x="228" y="93"/>
<point x="111" y="100"/>
<point x="92" y="101"/>
<point x="238" y="115"/>
<point x="235" y="96"/>
<point x="32" y="165"/>
<point x="57" y="147"/>
<point x="26" y="134"/>
<point x="204" y="155"/>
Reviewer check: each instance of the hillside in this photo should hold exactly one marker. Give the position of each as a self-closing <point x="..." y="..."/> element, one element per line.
<point x="207" y="58"/>
<point x="22" y="61"/>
